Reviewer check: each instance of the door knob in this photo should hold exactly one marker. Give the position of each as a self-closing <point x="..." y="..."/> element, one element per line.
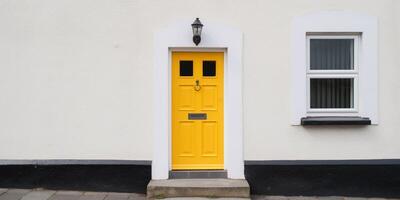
<point x="197" y="87"/>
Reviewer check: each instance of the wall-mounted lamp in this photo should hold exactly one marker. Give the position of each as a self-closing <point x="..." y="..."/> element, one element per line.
<point x="197" y="26"/>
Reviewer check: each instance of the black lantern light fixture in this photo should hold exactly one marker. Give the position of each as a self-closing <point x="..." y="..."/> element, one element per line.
<point x="197" y="26"/>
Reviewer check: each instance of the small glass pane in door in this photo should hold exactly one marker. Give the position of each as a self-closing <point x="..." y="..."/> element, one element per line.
<point x="186" y="68"/>
<point x="209" y="68"/>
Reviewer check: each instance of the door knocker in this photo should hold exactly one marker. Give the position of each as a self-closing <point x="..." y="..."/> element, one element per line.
<point x="197" y="87"/>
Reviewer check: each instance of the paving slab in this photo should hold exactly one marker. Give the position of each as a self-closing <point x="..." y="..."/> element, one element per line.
<point x="18" y="191"/>
<point x="331" y="198"/>
<point x="378" y="199"/>
<point x="69" y="192"/>
<point x="66" y="195"/>
<point x="93" y="196"/>
<point x="203" y="198"/>
<point x="117" y="196"/>
<point x="14" y="194"/>
<point x="135" y="196"/>
<point x="38" y="195"/>
<point x="3" y="190"/>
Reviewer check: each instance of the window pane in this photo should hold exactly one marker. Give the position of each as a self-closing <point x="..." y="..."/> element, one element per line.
<point x="209" y="68"/>
<point x="186" y="68"/>
<point x="332" y="54"/>
<point x="332" y="93"/>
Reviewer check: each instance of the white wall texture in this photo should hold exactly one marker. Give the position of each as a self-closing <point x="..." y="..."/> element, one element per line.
<point x="76" y="78"/>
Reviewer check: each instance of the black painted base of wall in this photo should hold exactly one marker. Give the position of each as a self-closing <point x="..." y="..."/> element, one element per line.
<point x="325" y="180"/>
<point x="287" y="180"/>
<point x="110" y="178"/>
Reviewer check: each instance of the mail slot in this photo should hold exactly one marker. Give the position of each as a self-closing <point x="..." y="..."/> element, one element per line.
<point x="197" y="116"/>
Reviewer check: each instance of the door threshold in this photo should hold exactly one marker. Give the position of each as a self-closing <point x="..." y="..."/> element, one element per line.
<point x="198" y="174"/>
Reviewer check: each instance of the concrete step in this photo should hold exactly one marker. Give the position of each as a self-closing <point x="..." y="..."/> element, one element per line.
<point x="209" y="188"/>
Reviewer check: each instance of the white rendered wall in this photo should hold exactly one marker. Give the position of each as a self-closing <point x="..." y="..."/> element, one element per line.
<point x="76" y="78"/>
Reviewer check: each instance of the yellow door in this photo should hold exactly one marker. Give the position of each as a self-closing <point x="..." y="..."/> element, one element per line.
<point x="197" y="110"/>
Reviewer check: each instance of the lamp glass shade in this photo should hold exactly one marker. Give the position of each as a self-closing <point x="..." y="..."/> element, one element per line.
<point x="197" y="26"/>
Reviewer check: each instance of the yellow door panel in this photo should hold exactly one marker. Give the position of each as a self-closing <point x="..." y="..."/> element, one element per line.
<point x="209" y="97"/>
<point x="187" y="97"/>
<point x="197" y="110"/>
<point x="209" y="139"/>
<point x="186" y="131"/>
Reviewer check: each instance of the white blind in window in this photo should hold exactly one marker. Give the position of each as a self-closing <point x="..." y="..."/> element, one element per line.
<point x="331" y="54"/>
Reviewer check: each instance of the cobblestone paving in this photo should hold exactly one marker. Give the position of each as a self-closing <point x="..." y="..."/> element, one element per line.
<point x="40" y="194"/>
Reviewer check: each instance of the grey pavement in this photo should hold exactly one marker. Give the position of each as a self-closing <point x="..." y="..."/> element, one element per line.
<point x="41" y="194"/>
<point x="14" y="194"/>
<point x="38" y="195"/>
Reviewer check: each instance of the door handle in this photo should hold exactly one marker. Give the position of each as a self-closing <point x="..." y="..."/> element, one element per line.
<point x="197" y="87"/>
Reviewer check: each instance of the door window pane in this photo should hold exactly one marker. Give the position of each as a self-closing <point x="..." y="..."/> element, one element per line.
<point x="331" y="54"/>
<point x="332" y="93"/>
<point x="186" y="68"/>
<point x="209" y="68"/>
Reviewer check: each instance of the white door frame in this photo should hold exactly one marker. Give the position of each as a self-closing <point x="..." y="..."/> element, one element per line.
<point x="178" y="37"/>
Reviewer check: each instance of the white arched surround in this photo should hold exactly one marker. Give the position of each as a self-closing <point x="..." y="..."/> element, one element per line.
<point x="337" y="22"/>
<point x="178" y="37"/>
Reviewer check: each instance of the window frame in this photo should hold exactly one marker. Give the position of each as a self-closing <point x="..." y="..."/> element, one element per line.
<point x="336" y="22"/>
<point x="325" y="111"/>
<point x="355" y="37"/>
<point x="326" y="74"/>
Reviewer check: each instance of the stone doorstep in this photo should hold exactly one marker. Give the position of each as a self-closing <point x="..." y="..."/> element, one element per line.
<point x="233" y="188"/>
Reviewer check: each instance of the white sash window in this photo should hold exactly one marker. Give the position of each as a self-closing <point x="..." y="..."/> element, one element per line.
<point x="332" y="73"/>
<point x="334" y="67"/>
